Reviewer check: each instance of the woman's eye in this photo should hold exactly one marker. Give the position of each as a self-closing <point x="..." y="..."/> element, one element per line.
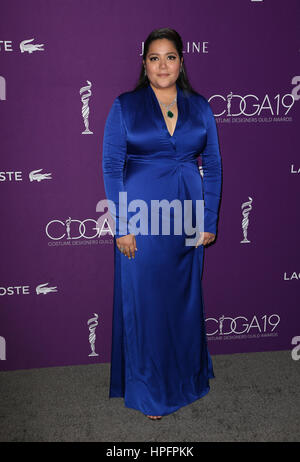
<point x="154" y="57"/>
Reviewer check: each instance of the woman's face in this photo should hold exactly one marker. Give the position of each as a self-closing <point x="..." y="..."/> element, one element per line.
<point x="162" y="63"/>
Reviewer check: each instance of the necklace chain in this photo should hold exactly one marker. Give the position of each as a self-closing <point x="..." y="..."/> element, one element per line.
<point x="167" y="106"/>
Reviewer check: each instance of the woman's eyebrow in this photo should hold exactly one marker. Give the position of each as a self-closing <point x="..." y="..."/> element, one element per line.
<point x="168" y="53"/>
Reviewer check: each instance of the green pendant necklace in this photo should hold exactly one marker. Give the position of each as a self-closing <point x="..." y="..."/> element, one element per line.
<point x="167" y="106"/>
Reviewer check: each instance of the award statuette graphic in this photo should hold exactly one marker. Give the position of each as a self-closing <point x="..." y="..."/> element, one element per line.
<point x="92" y="336"/>
<point x="245" y="222"/>
<point x="229" y="98"/>
<point x="221" y="319"/>
<point x="85" y="107"/>
<point x="68" y="221"/>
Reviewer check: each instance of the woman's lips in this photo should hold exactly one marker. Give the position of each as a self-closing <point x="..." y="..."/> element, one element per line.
<point x="162" y="75"/>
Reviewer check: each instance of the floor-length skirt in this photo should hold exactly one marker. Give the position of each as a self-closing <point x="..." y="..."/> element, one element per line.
<point x="159" y="359"/>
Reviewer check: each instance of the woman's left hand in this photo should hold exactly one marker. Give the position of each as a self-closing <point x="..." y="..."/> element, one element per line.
<point x="206" y="238"/>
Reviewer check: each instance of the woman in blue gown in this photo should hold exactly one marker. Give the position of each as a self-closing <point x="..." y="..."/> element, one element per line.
<point x="152" y="138"/>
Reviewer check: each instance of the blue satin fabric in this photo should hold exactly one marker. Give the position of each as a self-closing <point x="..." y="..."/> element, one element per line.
<point x="159" y="359"/>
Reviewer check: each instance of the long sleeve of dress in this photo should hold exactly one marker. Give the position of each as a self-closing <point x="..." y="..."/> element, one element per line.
<point x="212" y="174"/>
<point x="113" y="161"/>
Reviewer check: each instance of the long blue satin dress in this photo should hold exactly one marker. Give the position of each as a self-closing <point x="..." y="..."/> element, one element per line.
<point x="159" y="358"/>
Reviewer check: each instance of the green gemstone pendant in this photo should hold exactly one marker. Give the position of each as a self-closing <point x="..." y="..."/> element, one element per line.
<point x="170" y="114"/>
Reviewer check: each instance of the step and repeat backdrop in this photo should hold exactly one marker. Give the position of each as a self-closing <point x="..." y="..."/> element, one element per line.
<point x="63" y="62"/>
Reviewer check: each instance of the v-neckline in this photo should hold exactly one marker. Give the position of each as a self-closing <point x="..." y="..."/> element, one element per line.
<point x="164" y="125"/>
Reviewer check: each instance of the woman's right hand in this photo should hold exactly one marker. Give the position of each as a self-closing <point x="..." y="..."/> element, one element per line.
<point x="127" y="245"/>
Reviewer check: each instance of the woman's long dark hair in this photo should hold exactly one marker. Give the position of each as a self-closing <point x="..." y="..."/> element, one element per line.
<point x="173" y="36"/>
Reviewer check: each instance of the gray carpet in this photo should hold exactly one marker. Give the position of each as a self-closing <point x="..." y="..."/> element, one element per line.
<point x="254" y="397"/>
